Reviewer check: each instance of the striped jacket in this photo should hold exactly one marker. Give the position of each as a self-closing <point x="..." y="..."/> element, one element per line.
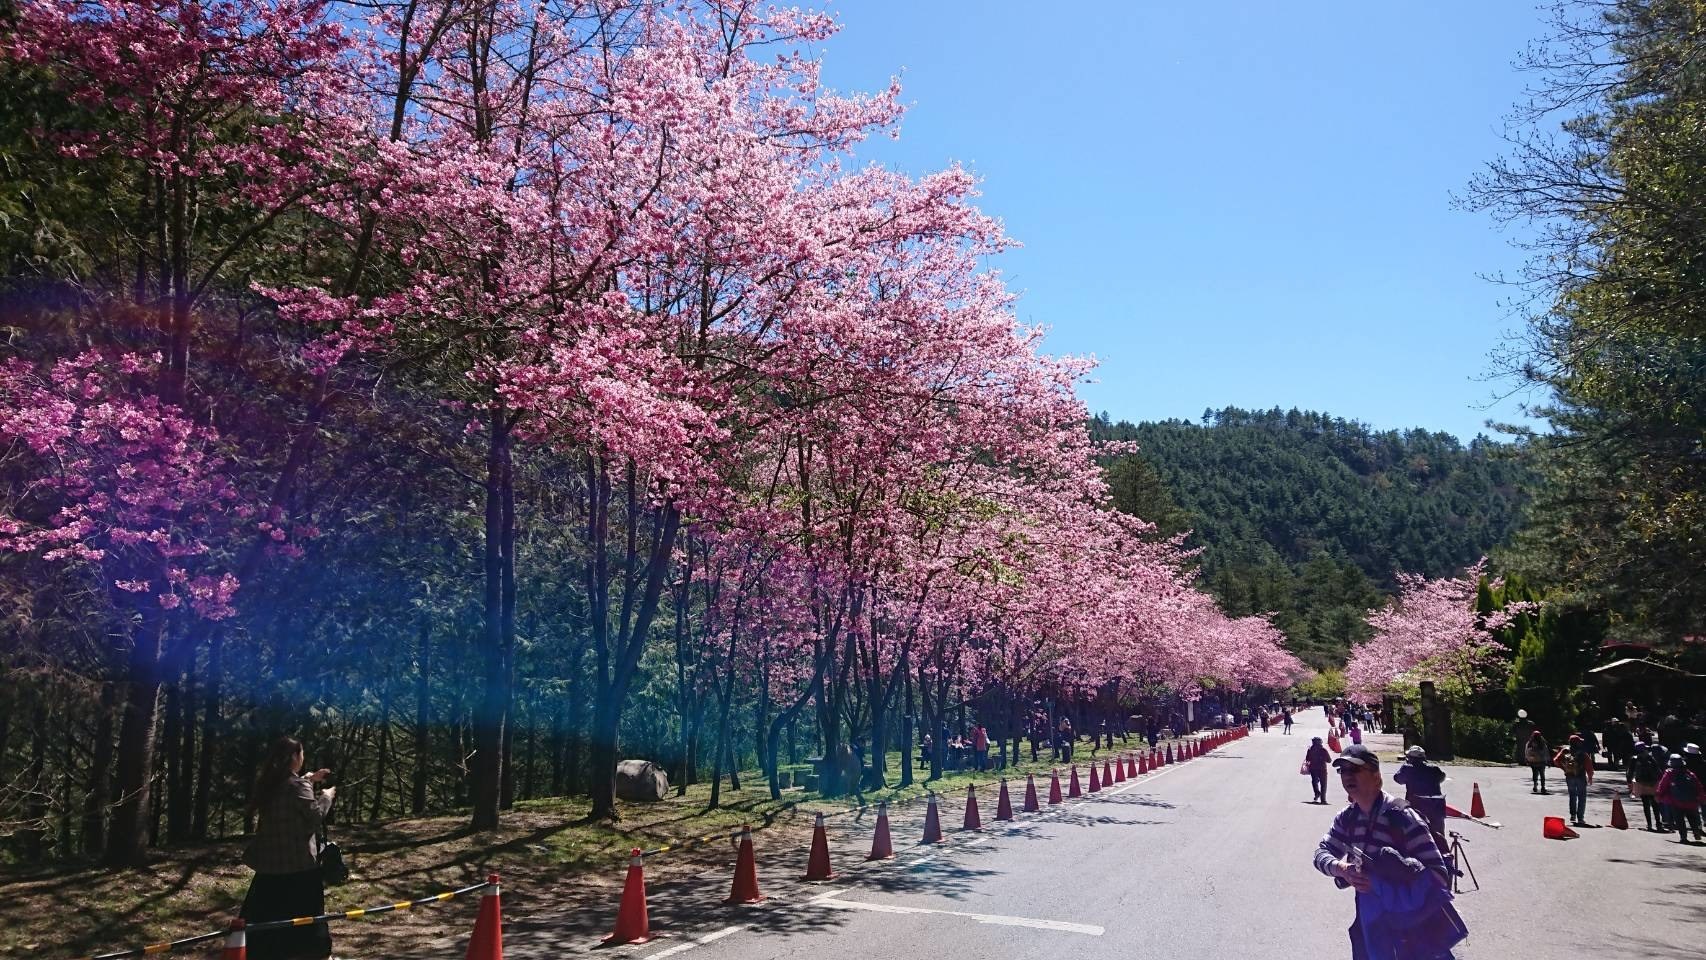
<point x="285" y="838"/>
<point x="1392" y="824"/>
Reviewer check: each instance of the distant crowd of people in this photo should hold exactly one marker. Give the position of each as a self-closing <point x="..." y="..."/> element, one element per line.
<point x="1665" y="775"/>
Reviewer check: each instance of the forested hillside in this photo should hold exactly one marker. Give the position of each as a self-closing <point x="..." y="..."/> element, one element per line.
<point x="1309" y="515"/>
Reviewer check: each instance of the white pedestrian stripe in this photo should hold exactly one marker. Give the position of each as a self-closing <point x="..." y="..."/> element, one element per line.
<point x="707" y="938"/>
<point x="995" y="918"/>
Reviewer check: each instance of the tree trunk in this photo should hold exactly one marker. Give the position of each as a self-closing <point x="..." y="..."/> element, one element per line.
<point x="906" y="731"/>
<point x="723" y="750"/>
<point x="171" y="747"/>
<point x="35" y="790"/>
<point x="8" y="703"/>
<point x="506" y="798"/>
<point x="180" y="812"/>
<point x="619" y="654"/>
<point x="100" y="773"/>
<point x="601" y="760"/>
<point x="212" y="733"/>
<point x="527" y="765"/>
<point x="423" y="718"/>
<point x="559" y="747"/>
<point x="382" y="764"/>
<point x="499" y="626"/>
<point x="126" y="842"/>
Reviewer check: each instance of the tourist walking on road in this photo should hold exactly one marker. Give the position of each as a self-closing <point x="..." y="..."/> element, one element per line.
<point x="1315" y="761"/>
<point x="1661" y="807"/>
<point x="980" y="747"/>
<point x="1536" y="754"/>
<point x="1424" y="790"/>
<point x="1577" y="764"/>
<point x="285" y="857"/>
<point x="1285" y="718"/>
<point x="1383" y="850"/>
<point x="1264" y="721"/>
<point x="1680" y="790"/>
<point x="1618" y="743"/>
<point x="1642" y="776"/>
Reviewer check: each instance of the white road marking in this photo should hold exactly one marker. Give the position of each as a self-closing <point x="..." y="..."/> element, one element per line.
<point x="995" y="918"/>
<point x="711" y="937"/>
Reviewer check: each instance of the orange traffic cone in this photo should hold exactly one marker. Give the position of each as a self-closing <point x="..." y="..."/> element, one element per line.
<point x="1552" y="828"/>
<point x="1073" y="789"/>
<point x="1119" y="769"/>
<point x="1095" y="784"/>
<point x="1142" y="764"/>
<point x="1003" y="805"/>
<point x="487" y="943"/>
<point x="817" y="865"/>
<point x="973" y="821"/>
<point x="632" y="923"/>
<point x="745" y="886"/>
<point x="1168" y="755"/>
<point x="1053" y="787"/>
<point x="236" y="942"/>
<point x="1131" y="765"/>
<point x="1333" y="742"/>
<point x="1618" y="820"/>
<point x="1476" y="809"/>
<point x="932" y="823"/>
<point x="882" y="846"/>
<point x="1107" y="772"/>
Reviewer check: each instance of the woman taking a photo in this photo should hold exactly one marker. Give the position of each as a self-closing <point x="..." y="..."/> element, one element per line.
<point x="284" y="857"/>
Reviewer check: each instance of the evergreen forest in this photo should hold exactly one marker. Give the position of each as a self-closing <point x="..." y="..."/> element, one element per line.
<point x="1310" y="516"/>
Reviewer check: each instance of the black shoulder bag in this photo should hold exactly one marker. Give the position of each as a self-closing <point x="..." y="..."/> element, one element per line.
<point x="334" y="872"/>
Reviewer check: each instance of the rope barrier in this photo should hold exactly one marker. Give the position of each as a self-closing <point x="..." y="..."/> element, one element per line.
<point x="733" y="834"/>
<point x="168" y="946"/>
<point x="903" y="801"/>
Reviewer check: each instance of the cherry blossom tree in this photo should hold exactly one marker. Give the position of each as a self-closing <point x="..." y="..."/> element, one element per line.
<point x="1431" y="630"/>
<point x="120" y="484"/>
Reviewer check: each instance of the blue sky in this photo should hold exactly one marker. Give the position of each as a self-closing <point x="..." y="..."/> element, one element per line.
<point x="1241" y="203"/>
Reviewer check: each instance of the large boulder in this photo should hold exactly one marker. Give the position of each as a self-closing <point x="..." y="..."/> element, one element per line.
<point x="641" y="780"/>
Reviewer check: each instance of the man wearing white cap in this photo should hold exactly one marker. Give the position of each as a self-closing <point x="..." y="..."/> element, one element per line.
<point x="1694" y="761"/>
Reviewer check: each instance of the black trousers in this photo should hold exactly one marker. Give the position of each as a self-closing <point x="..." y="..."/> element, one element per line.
<point x="286" y="896"/>
<point x="1318" y="783"/>
<point x="1685" y="819"/>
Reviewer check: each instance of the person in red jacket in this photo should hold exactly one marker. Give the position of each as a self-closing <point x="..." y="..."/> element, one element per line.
<point x="1681" y="789"/>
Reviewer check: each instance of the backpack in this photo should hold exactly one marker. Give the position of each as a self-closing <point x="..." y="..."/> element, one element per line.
<point x="1567" y="762"/>
<point x="1645" y="769"/>
<point x="1684" y="788"/>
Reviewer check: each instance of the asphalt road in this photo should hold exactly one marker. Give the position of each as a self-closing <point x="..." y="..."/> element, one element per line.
<point x="1207" y="858"/>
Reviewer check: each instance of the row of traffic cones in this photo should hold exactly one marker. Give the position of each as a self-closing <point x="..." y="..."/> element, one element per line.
<point x="632" y="924"/>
